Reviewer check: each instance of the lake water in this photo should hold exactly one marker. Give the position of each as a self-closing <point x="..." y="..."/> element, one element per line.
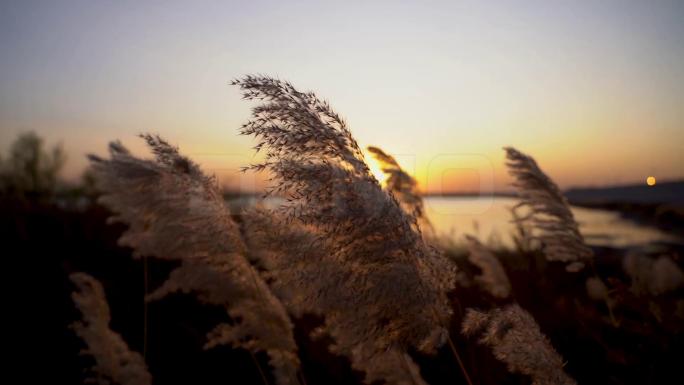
<point x="489" y="219"/>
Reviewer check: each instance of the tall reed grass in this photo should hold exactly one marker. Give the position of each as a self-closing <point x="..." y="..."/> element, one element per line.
<point x="380" y="286"/>
<point x="549" y="213"/>
<point x="175" y="212"/>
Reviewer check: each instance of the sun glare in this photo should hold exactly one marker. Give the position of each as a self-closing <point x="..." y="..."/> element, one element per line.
<point x="651" y="181"/>
<point x="375" y="169"/>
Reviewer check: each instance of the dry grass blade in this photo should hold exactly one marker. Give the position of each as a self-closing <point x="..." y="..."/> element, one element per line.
<point x="515" y="339"/>
<point x="176" y="212"/>
<point x="379" y="285"/>
<point x="115" y="363"/>
<point x="549" y="214"/>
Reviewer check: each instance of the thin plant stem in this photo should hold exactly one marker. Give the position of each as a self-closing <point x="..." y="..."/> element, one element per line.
<point x="258" y="366"/>
<point x="460" y="362"/>
<point x="263" y="295"/>
<point x="145" y="306"/>
<point x="613" y="320"/>
<point x="407" y="366"/>
<point x="300" y="377"/>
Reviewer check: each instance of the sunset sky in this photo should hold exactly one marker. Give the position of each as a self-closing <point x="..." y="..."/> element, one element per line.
<point x="593" y="89"/>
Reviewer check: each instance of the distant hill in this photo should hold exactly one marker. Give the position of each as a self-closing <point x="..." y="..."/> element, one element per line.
<point x="661" y="193"/>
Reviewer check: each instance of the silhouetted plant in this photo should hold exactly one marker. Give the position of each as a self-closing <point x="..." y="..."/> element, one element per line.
<point x="549" y="212"/>
<point x="380" y="287"/>
<point x="115" y="363"/>
<point x="176" y="212"/>
<point x="515" y="339"/>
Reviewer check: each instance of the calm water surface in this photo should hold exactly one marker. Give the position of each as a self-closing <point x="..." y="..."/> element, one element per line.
<point x="489" y="219"/>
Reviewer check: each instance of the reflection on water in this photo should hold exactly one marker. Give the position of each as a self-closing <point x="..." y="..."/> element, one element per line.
<point x="489" y="219"/>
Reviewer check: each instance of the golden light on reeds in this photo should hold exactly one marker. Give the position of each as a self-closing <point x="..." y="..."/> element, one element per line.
<point x="375" y="168"/>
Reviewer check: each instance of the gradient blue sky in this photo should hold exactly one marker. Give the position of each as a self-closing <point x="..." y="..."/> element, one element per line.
<point x="593" y="89"/>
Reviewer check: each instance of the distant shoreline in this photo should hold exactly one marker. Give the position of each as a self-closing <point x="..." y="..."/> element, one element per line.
<point x="471" y="194"/>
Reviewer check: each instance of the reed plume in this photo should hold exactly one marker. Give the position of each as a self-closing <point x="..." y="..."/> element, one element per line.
<point x="175" y="212"/>
<point x="380" y="287"/>
<point x="655" y="277"/>
<point x="522" y="238"/>
<point x="549" y="212"/>
<point x="597" y="289"/>
<point x="493" y="277"/>
<point x="115" y="363"/>
<point x="404" y="188"/>
<point x="515" y="339"/>
<point x="291" y="254"/>
<point x="297" y="264"/>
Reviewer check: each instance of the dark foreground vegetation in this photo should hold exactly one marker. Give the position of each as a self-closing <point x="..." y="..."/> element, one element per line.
<point x="631" y="334"/>
<point x="50" y="243"/>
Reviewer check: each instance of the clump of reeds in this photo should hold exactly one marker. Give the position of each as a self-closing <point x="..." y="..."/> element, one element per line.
<point x="380" y="287"/>
<point x="115" y="363"/>
<point x="515" y="339"/>
<point x="175" y="212"/>
<point x="549" y="212"/>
